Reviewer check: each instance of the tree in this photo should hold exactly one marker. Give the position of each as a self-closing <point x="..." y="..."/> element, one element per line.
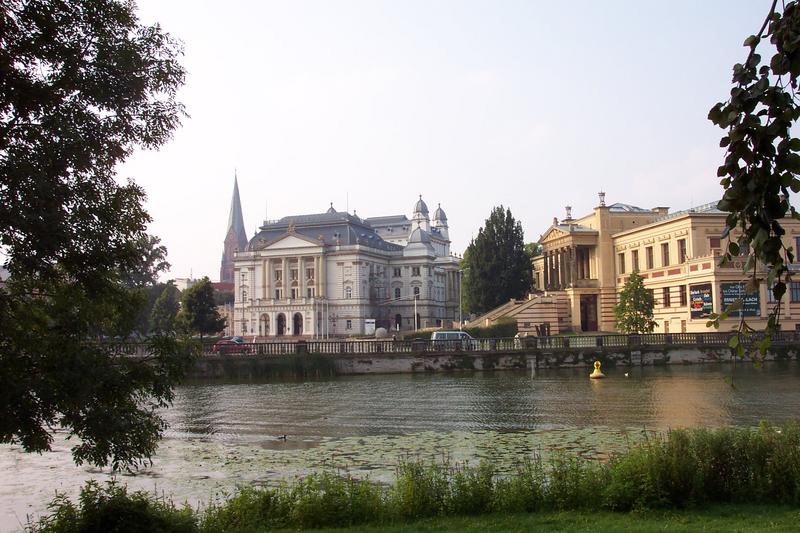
<point x="762" y="156"/>
<point x="496" y="265"/>
<point x="82" y="84"/>
<point x="199" y="311"/>
<point x="165" y="311"/>
<point x="634" y="312"/>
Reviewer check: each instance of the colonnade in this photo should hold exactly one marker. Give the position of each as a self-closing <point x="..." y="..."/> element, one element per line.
<point x="562" y="266"/>
<point x="286" y="283"/>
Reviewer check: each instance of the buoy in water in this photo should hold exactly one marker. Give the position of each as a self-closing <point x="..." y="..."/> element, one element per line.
<point x="597" y="374"/>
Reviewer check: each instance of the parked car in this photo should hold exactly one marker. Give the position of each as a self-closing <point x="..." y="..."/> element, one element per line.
<point x="454" y="340"/>
<point x="230" y="345"/>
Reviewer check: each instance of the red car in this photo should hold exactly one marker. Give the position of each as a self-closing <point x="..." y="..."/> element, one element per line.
<point x="230" y="345"/>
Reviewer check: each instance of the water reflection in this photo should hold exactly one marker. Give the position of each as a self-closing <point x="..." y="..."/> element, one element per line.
<point x="650" y="397"/>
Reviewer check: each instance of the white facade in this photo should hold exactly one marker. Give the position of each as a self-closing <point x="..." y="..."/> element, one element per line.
<point x="324" y="275"/>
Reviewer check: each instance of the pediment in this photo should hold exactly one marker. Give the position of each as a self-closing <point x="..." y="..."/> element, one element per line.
<point x="553" y="233"/>
<point x="288" y="241"/>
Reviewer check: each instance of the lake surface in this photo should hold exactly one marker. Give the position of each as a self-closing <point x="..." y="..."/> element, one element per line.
<point x="225" y="434"/>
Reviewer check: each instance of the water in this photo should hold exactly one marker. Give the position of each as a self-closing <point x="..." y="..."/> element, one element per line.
<point x="225" y="434"/>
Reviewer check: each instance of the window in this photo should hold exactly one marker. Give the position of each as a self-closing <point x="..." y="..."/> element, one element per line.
<point x="294" y="294"/>
<point x="415" y="271"/>
<point x="310" y="292"/>
<point x="648" y="252"/>
<point x="396" y="273"/>
<point x="665" y="254"/>
<point x="277" y="294"/>
<point x="309" y="273"/>
<point x="714" y="243"/>
<point x="771" y="296"/>
<point x="293" y="273"/>
<point x="244" y="326"/>
<point x="279" y="275"/>
<point x="397" y="292"/>
<point x="665" y="296"/>
<point x="682" y="294"/>
<point x="652" y="295"/>
<point x="348" y="292"/>
<point x="348" y="324"/>
<point x="796" y="245"/>
<point x="621" y="263"/>
<point x="681" y="250"/>
<point x="635" y="260"/>
<point x="244" y="295"/>
<point x="416" y="292"/>
<point x="794" y="291"/>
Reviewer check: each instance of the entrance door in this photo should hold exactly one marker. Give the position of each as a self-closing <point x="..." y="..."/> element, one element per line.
<point x="297" y="324"/>
<point x="281" y="329"/>
<point x="588" y="312"/>
<point x="398" y="322"/>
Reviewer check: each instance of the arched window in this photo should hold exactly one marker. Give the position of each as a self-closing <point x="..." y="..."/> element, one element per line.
<point x="348" y="292"/>
<point x="397" y="292"/>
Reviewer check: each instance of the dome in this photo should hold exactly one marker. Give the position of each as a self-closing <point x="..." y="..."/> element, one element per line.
<point x="420" y="206"/>
<point x="331" y="209"/>
<point x="439" y="214"/>
<point x="419" y="235"/>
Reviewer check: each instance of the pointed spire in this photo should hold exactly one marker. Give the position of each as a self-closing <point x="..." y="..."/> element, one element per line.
<point x="235" y="219"/>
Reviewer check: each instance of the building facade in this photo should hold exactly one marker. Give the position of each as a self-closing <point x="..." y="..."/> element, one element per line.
<point x="585" y="263"/>
<point x="335" y="274"/>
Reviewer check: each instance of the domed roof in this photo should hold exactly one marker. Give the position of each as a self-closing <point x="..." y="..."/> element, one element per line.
<point x="419" y="235"/>
<point x="331" y="209"/>
<point x="420" y="206"/>
<point x="439" y="214"/>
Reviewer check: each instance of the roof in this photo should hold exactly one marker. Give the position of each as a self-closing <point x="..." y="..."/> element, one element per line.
<point x="421" y="206"/>
<point x="235" y="219"/>
<point x="574" y="228"/>
<point x="439" y="214"/>
<point x="626" y="208"/>
<point x="709" y="208"/>
<point x="387" y="220"/>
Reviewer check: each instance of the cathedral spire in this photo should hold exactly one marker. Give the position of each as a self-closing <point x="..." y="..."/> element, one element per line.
<point x="235" y="235"/>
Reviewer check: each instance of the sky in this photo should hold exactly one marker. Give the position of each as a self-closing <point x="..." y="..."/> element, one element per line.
<point x="531" y="105"/>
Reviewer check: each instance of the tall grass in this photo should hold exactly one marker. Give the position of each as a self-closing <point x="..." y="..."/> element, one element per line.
<point x="683" y="468"/>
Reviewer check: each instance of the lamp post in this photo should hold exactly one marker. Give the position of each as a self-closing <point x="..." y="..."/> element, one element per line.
<point x="460" y="277"/>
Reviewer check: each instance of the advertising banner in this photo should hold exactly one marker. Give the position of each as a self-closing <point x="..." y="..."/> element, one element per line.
<point x="701" y="300"/>
<point x="751" y="304"/>
<point x="369" y="326"/>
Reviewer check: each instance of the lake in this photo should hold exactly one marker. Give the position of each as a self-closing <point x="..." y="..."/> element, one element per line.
<point x="225" y="434"/>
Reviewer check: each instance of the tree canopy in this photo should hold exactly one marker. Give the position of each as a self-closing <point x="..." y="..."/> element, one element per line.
<point x="496" y="265"/>
<point x="82" y="84"/>
<point x="762" y="156"/>
<point x="165" y="310"/>
<point x="634" y="312"/>
<point x="199" y="310"/>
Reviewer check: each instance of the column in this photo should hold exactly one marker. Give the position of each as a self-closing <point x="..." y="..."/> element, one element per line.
<point x="573" y="264"/>
<point x="268" y="279"/>
<point x="301" y="271"/>
<point x="545" y="274"/>
<point x="323" y="273"/>
<point x="285" y="280"/>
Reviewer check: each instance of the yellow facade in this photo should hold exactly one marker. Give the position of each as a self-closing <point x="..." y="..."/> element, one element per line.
<point x="585" y="262"/>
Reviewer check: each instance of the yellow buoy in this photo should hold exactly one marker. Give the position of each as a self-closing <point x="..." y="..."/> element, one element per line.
<point x="597" y="374"/>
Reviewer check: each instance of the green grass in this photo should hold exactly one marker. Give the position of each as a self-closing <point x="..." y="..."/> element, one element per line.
<point x="723" y="518"/>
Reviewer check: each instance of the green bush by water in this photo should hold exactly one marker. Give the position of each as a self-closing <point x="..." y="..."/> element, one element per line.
<point x="684" y="468"/>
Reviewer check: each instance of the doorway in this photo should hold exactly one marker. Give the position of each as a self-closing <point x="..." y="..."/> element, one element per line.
<point x="281" y="329"/>
<point x="297" y="324"/>
<point x="588" y="312"/>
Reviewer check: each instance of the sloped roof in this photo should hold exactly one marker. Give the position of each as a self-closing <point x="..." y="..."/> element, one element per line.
<point x="235" y="219"/>
<point x="626" y="208"/>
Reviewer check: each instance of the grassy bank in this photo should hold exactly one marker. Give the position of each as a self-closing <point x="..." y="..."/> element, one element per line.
<point x="686" y="469"/>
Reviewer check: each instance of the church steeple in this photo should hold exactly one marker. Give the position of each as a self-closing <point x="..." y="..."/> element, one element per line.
<point x="235" y="235"/>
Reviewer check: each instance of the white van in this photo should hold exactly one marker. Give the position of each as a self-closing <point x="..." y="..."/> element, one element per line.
<point x="451" y="338"/>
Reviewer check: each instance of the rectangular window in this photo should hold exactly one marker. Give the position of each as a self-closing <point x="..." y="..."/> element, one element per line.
<point x="415" y="271"/>
<point x="794" y="291"/>
<point x="396" y="273"/>
<point x="665" y="254"/>
<point x="652" y="295"/>
<point x="294" y="274"/>
<point x="684" y="299"/>
<point x="665" y="296"/>
<point x="310" y="292"/>
<point x="279" y="275"/>
<point x="348" y="324"/>
<point x="294" y="294"/>
<point x="648" y="252"/>
<point x="277" y="294"/>
<point x="714" y="243"/>
<point x="635" y="260"/>
<point x="621" y="263"/>
<point x="309" y="273"/>
<point x="681" y="250"/>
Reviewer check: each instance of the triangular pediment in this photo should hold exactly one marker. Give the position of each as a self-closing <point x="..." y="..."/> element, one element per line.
<point x="289" y="241"/>
<point x="553" y="233"/>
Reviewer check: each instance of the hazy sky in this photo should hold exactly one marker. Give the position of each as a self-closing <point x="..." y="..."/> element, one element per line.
<point x="534" y="105"/>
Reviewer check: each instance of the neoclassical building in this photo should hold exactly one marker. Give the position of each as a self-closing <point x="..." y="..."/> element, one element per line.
<point x="336" y="274"/>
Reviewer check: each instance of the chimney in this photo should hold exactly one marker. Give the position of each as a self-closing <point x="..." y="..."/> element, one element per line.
<point x="569" y="212"/>
<point x="602" y="196"/>
<point x="555" y="221"/>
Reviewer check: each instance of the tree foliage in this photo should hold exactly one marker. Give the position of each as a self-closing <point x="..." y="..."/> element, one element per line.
<point x="634" y="312"/>
<point x="165" y="311"/>
<point x="199" y="310"/>
<point x="762" y="156"/>
<point x="82" y="84"/>
<point x="496" y="264"/>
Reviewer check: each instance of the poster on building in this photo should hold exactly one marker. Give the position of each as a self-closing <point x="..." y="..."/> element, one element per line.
<point x="369" y="326"/>
<point x="751" y="304"/>
<point x="701" y="300"/>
